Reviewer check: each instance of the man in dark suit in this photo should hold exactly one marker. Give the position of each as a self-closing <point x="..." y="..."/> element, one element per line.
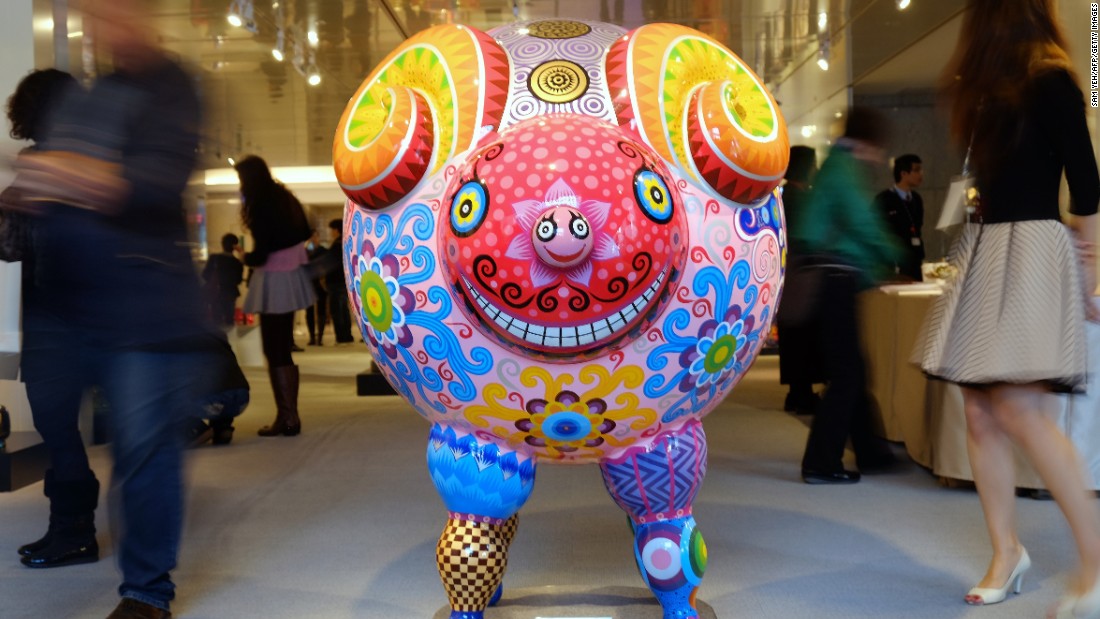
<point x="903" y="209"/>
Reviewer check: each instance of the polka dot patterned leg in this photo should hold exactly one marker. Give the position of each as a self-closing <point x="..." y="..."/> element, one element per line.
<point x="672" y="558"/>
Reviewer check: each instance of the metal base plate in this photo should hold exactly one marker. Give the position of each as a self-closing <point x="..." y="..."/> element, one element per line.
<point x="578" y="603"/>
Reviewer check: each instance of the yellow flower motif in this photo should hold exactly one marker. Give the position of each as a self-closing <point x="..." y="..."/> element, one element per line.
<point x="568" y="424"/>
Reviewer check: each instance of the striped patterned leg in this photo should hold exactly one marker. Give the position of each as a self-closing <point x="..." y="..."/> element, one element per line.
<point x="483" y="486"/>
<point x="656" y="489"/>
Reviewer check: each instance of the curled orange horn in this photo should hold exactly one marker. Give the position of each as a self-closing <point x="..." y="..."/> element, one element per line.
<point x="701" y="108"/>
<point x="421" y="106"/>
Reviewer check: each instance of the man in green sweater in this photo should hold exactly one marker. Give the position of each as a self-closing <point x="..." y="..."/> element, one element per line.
<point x="852" y="246"/>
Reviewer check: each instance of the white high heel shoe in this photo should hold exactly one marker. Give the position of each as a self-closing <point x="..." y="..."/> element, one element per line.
<point x="1086" y="606"/>
<point x="980" y="596"/>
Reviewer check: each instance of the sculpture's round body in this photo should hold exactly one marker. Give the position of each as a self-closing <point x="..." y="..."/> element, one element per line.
<point x="563" y="243"/>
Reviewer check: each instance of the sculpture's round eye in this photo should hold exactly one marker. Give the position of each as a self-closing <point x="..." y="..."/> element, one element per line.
<point x="546" y="230"/>
<point x="579" y="226"/>
<point x="653" y="195"/>
<point x="468" y="208"/>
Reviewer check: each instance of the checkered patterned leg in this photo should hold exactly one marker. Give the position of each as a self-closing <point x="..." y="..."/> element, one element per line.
<point x="471" y="557"/>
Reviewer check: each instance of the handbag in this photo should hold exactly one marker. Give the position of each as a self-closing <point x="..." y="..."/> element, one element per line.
<point x="962" y="196"/>
<point x="960" y="203"/>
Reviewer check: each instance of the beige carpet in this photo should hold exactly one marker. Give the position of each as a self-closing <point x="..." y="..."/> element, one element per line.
<point x="342" y="522"/>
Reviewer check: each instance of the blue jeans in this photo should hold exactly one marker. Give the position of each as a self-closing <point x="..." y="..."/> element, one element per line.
<point x="151" y="394"/>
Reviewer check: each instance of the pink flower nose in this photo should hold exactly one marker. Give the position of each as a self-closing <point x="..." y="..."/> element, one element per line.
<point x="562" y="237"/>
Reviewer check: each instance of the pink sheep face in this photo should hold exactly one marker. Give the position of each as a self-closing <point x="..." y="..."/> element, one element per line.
<point x="563" y="237"/>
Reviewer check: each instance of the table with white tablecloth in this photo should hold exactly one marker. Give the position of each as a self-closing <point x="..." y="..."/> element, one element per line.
<point x="927" y="415"/>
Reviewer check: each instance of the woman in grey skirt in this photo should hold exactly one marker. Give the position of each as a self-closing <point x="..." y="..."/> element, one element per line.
<point x="279" y="285"/>
<point x="1010" y="328"/>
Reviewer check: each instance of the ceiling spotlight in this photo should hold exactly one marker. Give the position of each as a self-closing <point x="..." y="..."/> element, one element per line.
<point x="241" y="13"/>
<point x="312" y="36"/>
<point x="822" y="21"/>
<point x="823" y="56"/>
<point x="313" y="76"/>
<point x="280" y="43"/>
<point x="903" y="4"/>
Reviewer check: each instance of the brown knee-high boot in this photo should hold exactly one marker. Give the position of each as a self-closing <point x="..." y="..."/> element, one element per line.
<point x="284" y="382"/>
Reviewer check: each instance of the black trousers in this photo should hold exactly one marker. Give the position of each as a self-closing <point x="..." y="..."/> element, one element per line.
<point x="799" y="364"/>
<point x="341" y="315"/>
<point x="319" y="309"/>
<point x="845" y="411"/>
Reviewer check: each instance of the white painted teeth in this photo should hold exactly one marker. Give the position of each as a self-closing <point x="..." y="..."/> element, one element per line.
<point x="566" y="337"/>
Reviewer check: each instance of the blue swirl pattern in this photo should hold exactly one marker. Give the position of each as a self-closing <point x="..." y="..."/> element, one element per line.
<point x="685" y="346"/>
<point x="407" y="238"/>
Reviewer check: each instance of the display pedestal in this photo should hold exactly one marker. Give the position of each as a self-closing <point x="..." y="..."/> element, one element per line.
<point x="23" y="460"/>
<point x="372" y="382"/>
<point x="586" y="602"/>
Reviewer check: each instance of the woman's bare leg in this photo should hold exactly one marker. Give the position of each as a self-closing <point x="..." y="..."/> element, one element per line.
<point x="992" y="464"/>
<point x="1021" y="411"/>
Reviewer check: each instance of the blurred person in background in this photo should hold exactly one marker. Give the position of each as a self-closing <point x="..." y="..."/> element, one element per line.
<point x="222" y="277"/>
<point x="317" y="314"/>
<point x="799" y="362"/>
<point x="903" y="209"/>
<point x="841" y="226"/>
<point x="70" y="485"/>
<point x="337" y="287"/>
<point x="28" y="111"/>
<point x="116" y="301"/>
<point x="280" y="285"/>
<point x="1010" y="329"/>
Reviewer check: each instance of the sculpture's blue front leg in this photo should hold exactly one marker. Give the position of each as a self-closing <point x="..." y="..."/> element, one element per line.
<point x="656" y="488"/>
<point x="483" y="486"/>
<point x="672" y="557"/>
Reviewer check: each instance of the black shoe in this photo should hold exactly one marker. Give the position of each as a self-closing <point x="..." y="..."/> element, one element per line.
<point x="296" y="348"/>
<point x="72" y="518"/>
<point x="836" y="477"/>
<point x="802" y="404"/>
<point x="223" y="432"/>
<point x="130" y="608"/>
<point x="197" y="434"/>
<point x="27" y="550"/>
<point x="61" y="552"/>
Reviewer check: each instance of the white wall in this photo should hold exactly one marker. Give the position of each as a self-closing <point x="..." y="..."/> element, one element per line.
<point x="17" y="51"/>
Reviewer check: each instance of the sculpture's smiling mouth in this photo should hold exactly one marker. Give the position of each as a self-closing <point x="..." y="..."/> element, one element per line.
<point x="563" y="258"/>
<point x="567" y="336"/>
